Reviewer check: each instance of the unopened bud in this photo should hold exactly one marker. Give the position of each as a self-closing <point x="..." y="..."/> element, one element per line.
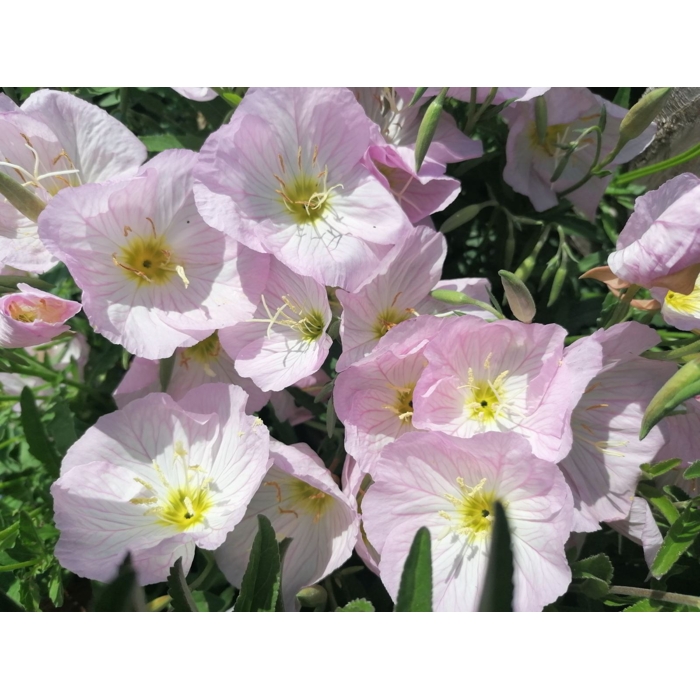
<point x="312" y="597"/>
<point x="428" y="126"/>
<point x="518" y="295"/>
<point x="463" y="216"/>
<point x="20" y="198"/>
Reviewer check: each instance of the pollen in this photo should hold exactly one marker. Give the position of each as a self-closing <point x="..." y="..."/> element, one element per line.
<point x="485" y="398"/>
<point x="389" y="318"/>
<point x="303" y="496"/>
<point x="471" y="514"/>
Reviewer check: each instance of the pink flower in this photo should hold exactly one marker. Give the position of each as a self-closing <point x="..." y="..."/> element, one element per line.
<point x="157" y="478"/>
<point x="302" y="502"/>
<point x="660" y="244"/>
<point x="391" y="158"/>
<point x="602" y="468"/>
<point x="56" y="141"/>
<point x="286" y="339"/>
<point x="503" y="376"/>
<point x="531" y="163"/>
<point x="400" y="290"/>
<point x="203" y="363"/>
<point x="681" y="311"/>
<point x="31" y="317"/>
<point x="198" y="94"/>
<point x="286" y="177"/>
<point x="355" y="484"/>
<point x="154" y="276"/>
<point x="374" y="397"/>
<point x="640" y="527"/>
<point x="449" y="485"/>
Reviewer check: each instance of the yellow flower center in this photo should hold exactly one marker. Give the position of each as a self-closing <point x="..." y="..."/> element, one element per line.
<point x="304" y="195"/>
<point x="27" y="311"/>
<point x="146" y="259"/>
<point x="472" y="512"/>
<point x="22" y="312"/>
<point x="485" y="398"/>
<point x="309" y="498"/>
<point x="387" y="319"/>
<point x="404" y="404"/>
<point x="309" y="323"/>
<point x="185" y="507"/>
<point x="685" y="303"/>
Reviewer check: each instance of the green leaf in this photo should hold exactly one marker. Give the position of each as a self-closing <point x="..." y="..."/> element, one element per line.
<point x="165" y="371"/>
<point x="645" y="605"/>
<point x="416" y="588"/>
<point x="428" y="126"/>
<point x="61" y="427"/>
<point x="598" y="566"/>
<point x="56" y="586"/>
<point x="683" y="385"/>
<point x="359" y="605"/>
<point x="39" y="445"/>
<point x="123" y="594"/>
<point x="660" y="467"/>
<point x="622" y="97"/>
<point x="678" y="538"/>
<point x="463" y="216"/>
<point x="660" y="501"/>
<point x="160" y="142"/>
<point x="260" y="585"/>
<point x="541" y="121"/>
<point x="693" y="471"/>
<point x="9" y="605"/>
<point x="497" y="595"/>
<point x="331" y="418"/>
<point x="29" y="537"/>
<point x="182" y="600"/>
<point x="518" y="295"/>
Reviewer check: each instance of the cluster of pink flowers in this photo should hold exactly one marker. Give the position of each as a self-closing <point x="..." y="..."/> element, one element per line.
<point x="304" y="222"/>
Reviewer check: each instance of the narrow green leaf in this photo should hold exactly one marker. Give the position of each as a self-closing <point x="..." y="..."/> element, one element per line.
<point x="419" y="92"/>
<point x="428" y="126"/>
<point x="165" y="371"/>
<point x="331" y="418"/>
<point x="29" y="537"/>
<point x="683" y="385"/>
<point x="62" y="427"/>
<point x="693" y="471"/>
<point x="658" y="499"/>
<point x="622" y="97"/>
<point x="182" y="600"/>
<point x="14" y="280"/>
<point x="359" y="605"/>
<point x="660" y="467"/>
<point x="416" y="588"/>
<point x="123" y="594"/>
<point x="645" y="605"/>
<point x="39" y="444"/>
<point x="518" y="295"/>
<point x="258" y="585"/>
<point x="678" y="538"/>
<point x="20" y="198"/>
<point x="497" y="594"/>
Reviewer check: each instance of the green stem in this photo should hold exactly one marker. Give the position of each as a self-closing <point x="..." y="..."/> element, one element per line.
<point x="21" y="564"/>
<point x="676" y="353"/>
<point x="623" y="306"/>
<point x="663" y="596"/>
<point x="684" y="157"/>
<point x="207" y="570"/>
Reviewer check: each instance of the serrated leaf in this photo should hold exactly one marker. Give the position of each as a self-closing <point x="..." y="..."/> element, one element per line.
<point x="359" y="605"/>
<point x="29" y="537"/>
<point x="660" y="467"/>
<point x="645" y="605"/>
<point x="123" y="594"/>
<point x="56" y="586"/>
<point x="678" y="538"/>
<point x="598" y="566"/>
<point x="497" y="594"/>
<point x="258" y="588"/>
<point x="416" y="588"/>
<point x="693" y="471"/>
<point x="62" y="427"/>
<point x="182" y="600"/>
<point x="39" y="444"/>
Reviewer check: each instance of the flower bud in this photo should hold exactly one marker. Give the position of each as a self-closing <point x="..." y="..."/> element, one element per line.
<point x="518" y="295"/>
<point x="641" y="115"/>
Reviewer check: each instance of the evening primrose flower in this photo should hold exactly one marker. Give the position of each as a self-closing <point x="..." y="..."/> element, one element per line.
<point x="504" y="376"/>
<point x="154" y="276"/>
<point x="450" y="485"/>
<point x="681" y="311"/>
<point x="31" y="317"/>
<point x="301" y="500"/>
<point x="533" y="158"/>
<point x="198" y="94"/>
<point x="400" y="290"/>
<point x="660" y="244"/>
<point x="286" y="339"/>
<point x="157" y="478"/>
<point x="285" y="176"/>
<point x="203" y="363"/>
<point x="602" y="468"/>
<point x="55" y="141"/>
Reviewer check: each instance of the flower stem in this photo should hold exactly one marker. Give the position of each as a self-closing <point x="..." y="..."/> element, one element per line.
<point x="663" y="596"/>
